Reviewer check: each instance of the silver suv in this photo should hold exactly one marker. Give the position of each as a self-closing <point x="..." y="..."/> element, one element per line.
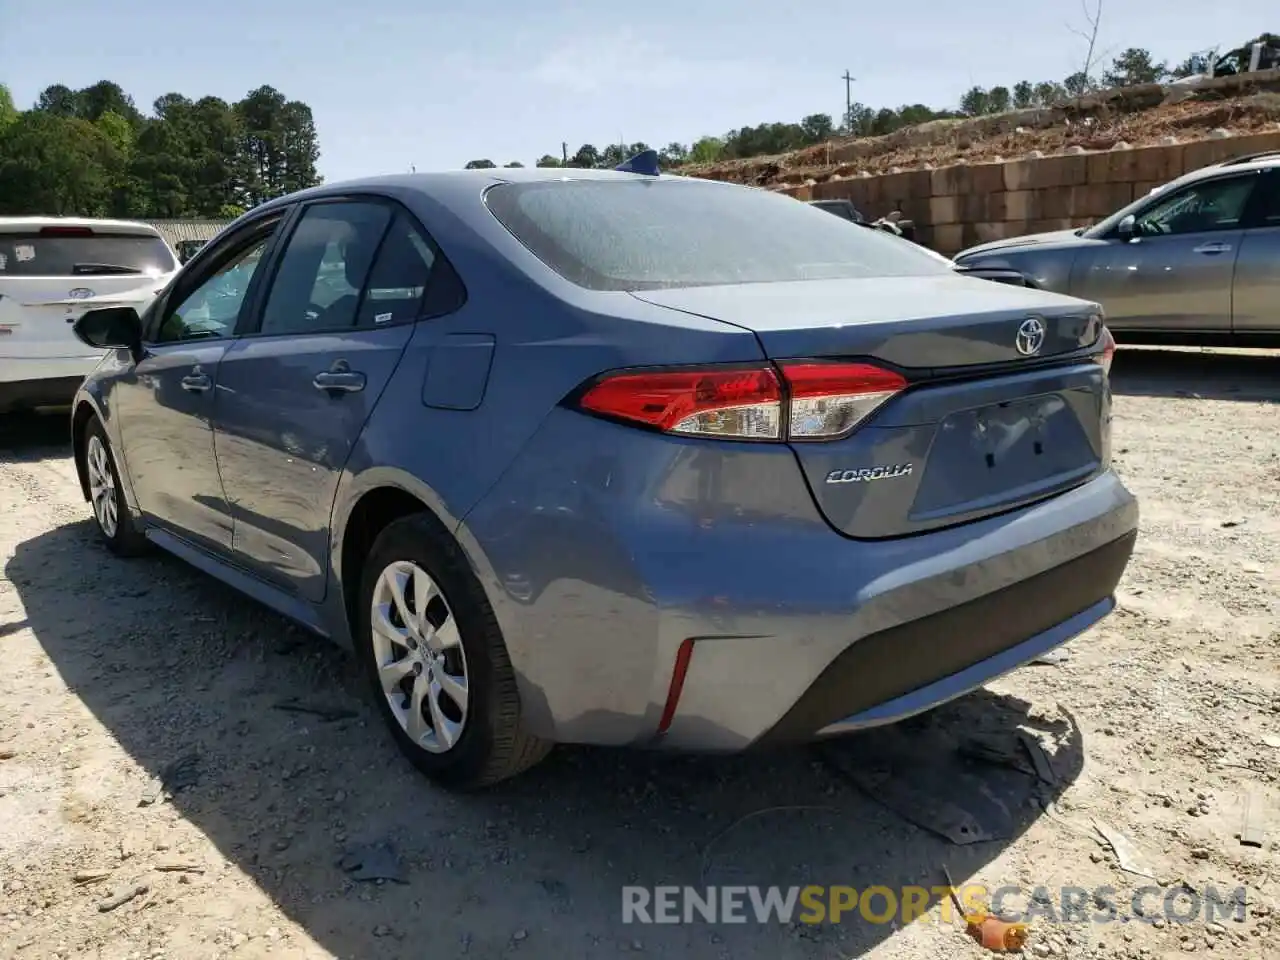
<point x="1194" y="261"/>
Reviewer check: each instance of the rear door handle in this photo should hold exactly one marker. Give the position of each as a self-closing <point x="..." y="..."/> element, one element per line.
<point x="339" y="378"/>
<point x="196" y="382"/>
<point x="1211" y="248"/>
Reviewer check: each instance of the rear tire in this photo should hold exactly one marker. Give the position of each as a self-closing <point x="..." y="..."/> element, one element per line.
<point x="440" y="675"/>
<point x="111" y="514"/>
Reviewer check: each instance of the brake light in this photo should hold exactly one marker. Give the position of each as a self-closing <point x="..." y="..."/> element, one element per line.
<point x="740" y="403"/>
<point x="830" y="399"/>
<point x="65" y="232"/>
<point x="822" y="400"/>
<point x="1108" y="351"/>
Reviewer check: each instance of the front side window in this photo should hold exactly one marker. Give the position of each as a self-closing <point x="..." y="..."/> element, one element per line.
<point x="646" y="235"/>
<point x="1199" y="208"/>
<point x="212" y="308"/>
<point x="324" y="267"/>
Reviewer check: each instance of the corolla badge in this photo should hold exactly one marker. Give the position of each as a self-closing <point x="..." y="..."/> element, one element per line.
<point x="866" y="475"/>
<point x="80" y="293"/>
<point x="1030" y="337"/>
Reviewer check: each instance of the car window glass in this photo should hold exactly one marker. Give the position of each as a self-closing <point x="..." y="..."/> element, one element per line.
<point x="651" y="233"/>
<point x="399" y="276"/>
<point x="1268" y="201"/>
<point x="82" y="252"/>
<point x="211" y="309"/>
<point x="1212" y="205"/>
<point x="324" y="268"/>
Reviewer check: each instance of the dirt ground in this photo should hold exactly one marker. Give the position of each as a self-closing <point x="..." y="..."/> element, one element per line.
<point x="114" y="674"/>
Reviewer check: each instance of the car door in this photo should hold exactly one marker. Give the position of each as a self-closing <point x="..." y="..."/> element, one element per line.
<point x="165" y="403"/>
<point x="1257" y="278"/>
<point x="1174" y="273"/>
<point x="296" y="390"/>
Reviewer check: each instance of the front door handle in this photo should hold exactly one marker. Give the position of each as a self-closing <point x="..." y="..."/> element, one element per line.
<point x="196" y="382"/>
<point x="1212" y="248"/>
<point x="339" y="378"/>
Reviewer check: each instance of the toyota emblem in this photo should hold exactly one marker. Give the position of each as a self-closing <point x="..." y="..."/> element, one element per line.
<point x="1030" y="337"/>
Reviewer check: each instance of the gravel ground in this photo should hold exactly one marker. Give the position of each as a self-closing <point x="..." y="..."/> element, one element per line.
<point x="117" y="674"/>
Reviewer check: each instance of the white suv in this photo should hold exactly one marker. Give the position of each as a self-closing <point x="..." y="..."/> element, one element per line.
<point x="53" y="269"/>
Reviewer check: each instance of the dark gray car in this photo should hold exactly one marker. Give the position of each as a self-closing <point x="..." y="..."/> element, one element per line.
<point x="1192" y="262"/>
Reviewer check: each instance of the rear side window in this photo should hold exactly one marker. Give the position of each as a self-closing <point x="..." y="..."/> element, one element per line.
<point x="645" y="235"/>
<point x="399" y="276"/>
<point x="49" y="254"/>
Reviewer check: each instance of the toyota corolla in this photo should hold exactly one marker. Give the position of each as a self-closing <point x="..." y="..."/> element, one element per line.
<point x="614" y="458"/>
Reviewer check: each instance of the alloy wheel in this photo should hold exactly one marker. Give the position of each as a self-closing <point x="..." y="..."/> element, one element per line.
<point x="102" y="486"/>
<point x="418" y="653"/>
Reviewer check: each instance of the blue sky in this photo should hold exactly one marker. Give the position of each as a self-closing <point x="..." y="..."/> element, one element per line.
<point x="400" y="82"/>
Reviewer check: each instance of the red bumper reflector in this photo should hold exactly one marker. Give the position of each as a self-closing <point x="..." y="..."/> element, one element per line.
<point x="678" y="672"/>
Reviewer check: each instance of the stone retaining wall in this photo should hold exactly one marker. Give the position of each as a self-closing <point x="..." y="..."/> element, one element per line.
<point x="958" y="206"/>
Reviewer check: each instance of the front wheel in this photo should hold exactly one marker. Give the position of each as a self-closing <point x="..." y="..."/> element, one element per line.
<point x="434" y="655"/>
<point x="110" y="513"/>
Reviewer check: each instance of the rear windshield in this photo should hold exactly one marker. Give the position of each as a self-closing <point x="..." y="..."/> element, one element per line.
<point x="41" y="255"/>
<point x="646" y="235"/>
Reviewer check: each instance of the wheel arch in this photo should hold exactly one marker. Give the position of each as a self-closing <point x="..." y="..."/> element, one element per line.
<point x="377" y="498"/>
<point x="84" y="412"/>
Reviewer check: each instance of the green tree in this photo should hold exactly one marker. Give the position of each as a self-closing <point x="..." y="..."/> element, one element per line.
<point x="586" y="157"/>
<point x="279" y="142"/>
<point x="1024" y="94"/>
<point x="673" y="155"/>
<point x="818" y="127"/>
<point x="59" y="100"/>
<point x="106" y="97"/>
<point x="547" y="160"/>
<point x="57" y="165"/>
<point x="1134" y="66"/>
<point x="975" y="102"/>
<point x="998" y="100"/>
<point x="1078" y="84"/>
<point x="480" y="165"/>
<point x="858" y="120"/>
<point x="1048" y="93"/>
<point x="8" y="112"/>
<point x="218" y="170"/>
<point x="514" y="163"/>
<point x="706" y="150"/>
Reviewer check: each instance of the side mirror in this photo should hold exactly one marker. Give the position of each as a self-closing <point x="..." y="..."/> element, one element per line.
<point x="111" y="328"/>
<point x="1124" y="229"/>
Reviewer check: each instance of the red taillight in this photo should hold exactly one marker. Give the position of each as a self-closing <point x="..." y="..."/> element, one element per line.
<point x="830" y="399"/>
<point x="65" y="232"/>
<point x="823" y="400"/>
<point x="715" y="402"/>
<point x="1108" y="351"/>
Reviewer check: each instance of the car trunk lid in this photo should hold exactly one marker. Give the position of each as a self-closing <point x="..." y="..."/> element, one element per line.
<point x="37" y="313"/>
<point x="981" y="426"/>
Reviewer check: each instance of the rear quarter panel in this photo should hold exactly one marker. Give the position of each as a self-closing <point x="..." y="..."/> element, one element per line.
<point x="548" y="337"/>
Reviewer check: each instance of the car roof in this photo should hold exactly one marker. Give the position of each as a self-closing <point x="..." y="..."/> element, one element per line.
<point x="460" y="183"/>
<point x="27" y="224"/>
<point x="1247" y="163"/>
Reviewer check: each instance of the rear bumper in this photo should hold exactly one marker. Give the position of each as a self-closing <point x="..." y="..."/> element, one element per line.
<point x="26" y="394"/>
<point x="907" y="669"/>
<point x="31" y="369"/>
<point x="603" y="557"/>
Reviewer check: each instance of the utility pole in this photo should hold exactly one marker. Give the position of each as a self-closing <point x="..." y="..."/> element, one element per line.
<point x="564" y="152"/>
<point x="848" y="99"/>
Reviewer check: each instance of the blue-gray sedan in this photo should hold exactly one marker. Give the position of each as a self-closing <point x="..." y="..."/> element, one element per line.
<point x="604" y="457"/>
